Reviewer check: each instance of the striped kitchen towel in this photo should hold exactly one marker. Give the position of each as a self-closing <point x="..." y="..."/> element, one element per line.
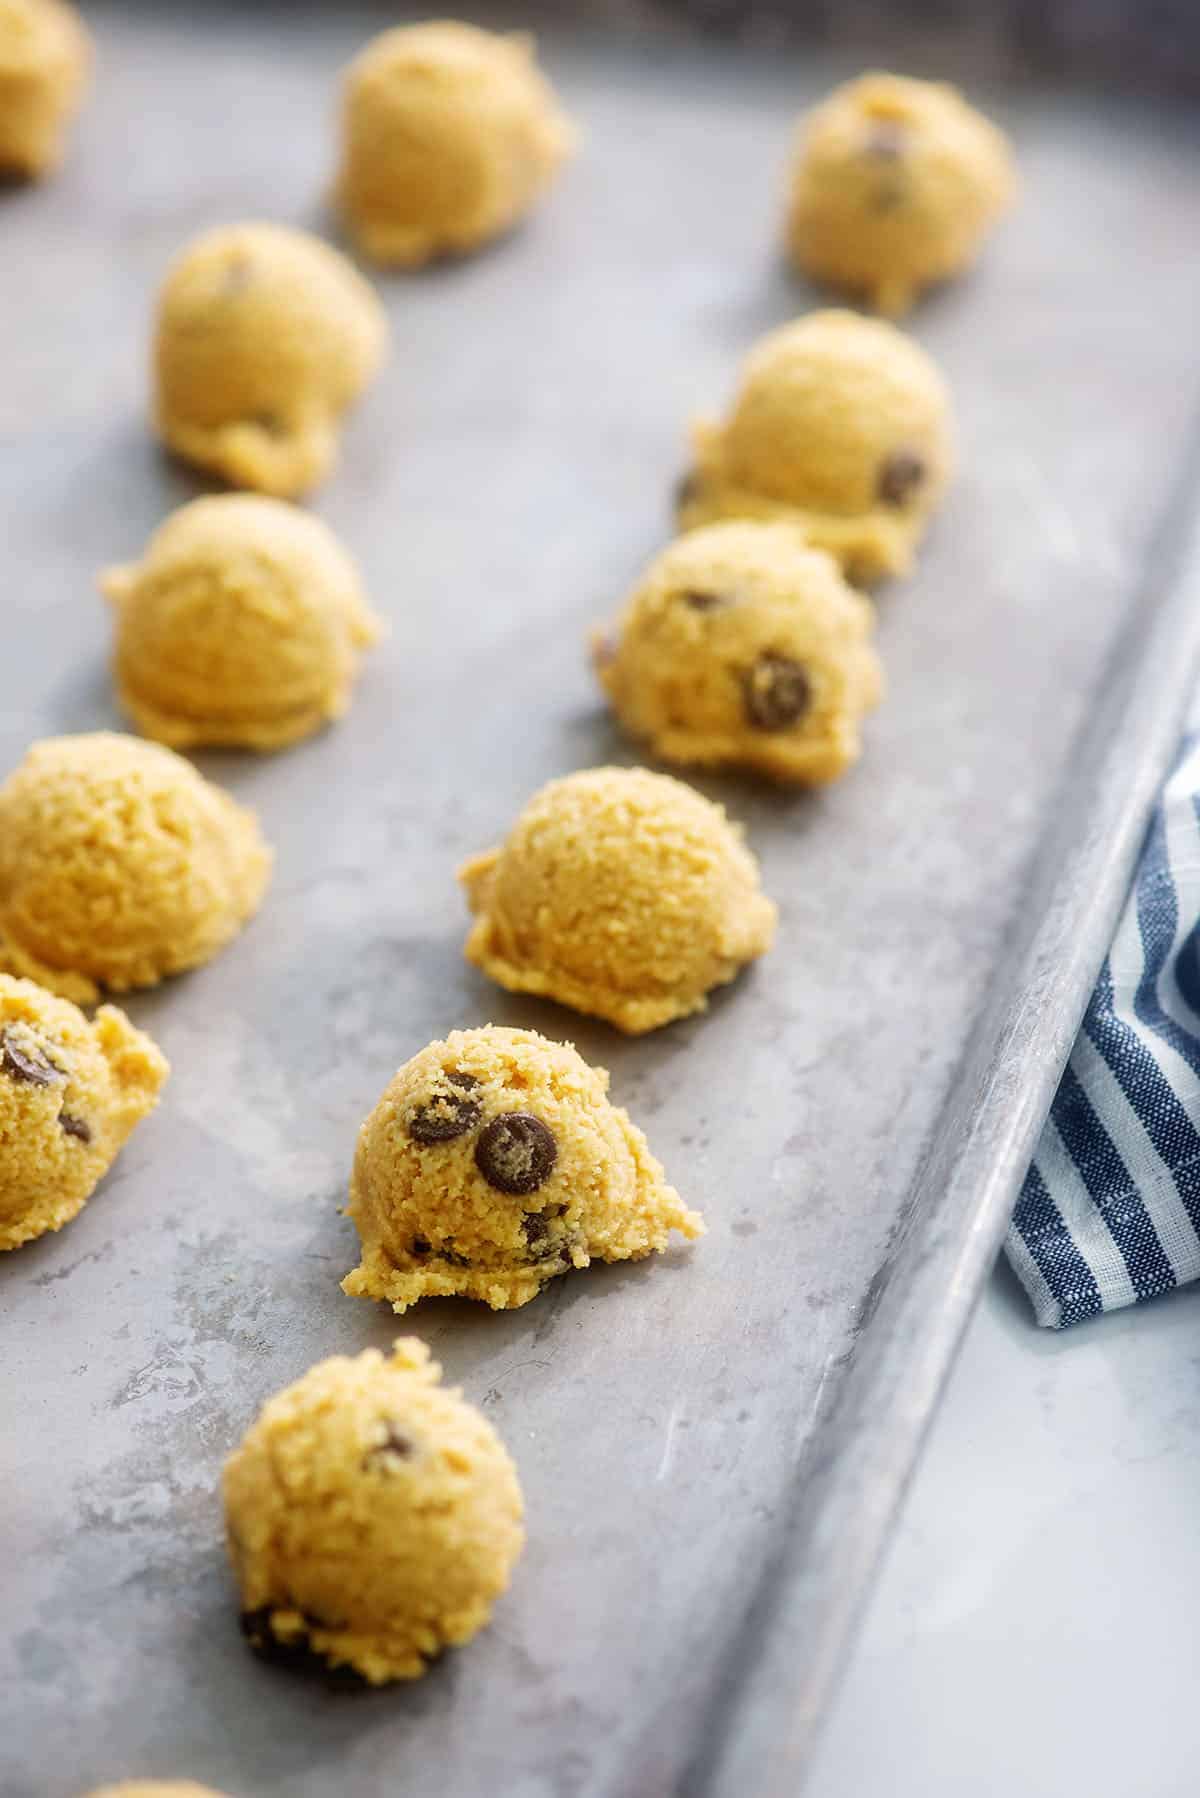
<point x="1110" y="1208"/>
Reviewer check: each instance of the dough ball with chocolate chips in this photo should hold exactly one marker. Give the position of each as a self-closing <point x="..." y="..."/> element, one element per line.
<point x="449" y="136"/>
<point x="45" y="55"/>
<point x="264" y="337"/>
<point x="841" y="427"/>
<point x="242" y="624"/>
<point x="373" y="1518"/>
<point x="895" y="185"/>
<point x="70" y="1093"/>
<point x="741" y="646"/>
<point x="495" y="1161"/>
<point x="155" y="1788"/>
<point x="120" y="864"/>
<point x="622" y="893"/>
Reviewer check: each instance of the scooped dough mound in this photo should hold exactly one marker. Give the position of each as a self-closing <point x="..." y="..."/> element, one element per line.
<point x="45" y="56"/>
<point x="242" y="624"/>
<point x="841" y="427"/>
<point x="264" y="337"/>
<point x="619" y="892"/>
<point x="71" y="1092"/>
<point x="119" y="864"/>
<point x="895" y="185"/>
<point x="449" y="136"/>
<point x="373" y="1517"/>
<point x="741" y="646"/>
<point x="493" y="1162"/>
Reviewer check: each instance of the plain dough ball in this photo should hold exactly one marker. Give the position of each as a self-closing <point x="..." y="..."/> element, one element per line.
<point x="449" y="136"/>
<point x="264" y="337"/>
<point x="495" y="1161"/>
<point x="895" y="185"/>
<point x="70" y="1094"/>
<point x="120" y="864"/>
<point x="842" y="427"/>
<point x="155" y="1788"/>
<point x="621" y="893"/>
<point x="242" y="624"/>
<point x="45" y="55"/>
<point x="742" y="646"/>
<point x="373" y="1517"/>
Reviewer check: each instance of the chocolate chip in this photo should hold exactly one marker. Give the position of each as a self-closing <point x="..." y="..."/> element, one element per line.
<point x="886" y="140"/>
<point x="256" y="1625"/>
<point x="536" y="1230"/>
<point x="447" y="1113"/>
<point x="295" y="1651"/>
<point x="271" y="423"/>
<point x="543" y="1246"/>
<point x="900" y="475"/>
<point x="705" y="602"/>
<point x="22" y="1061"/>
<point x="75" y="1126"/>
<point x="446" y="1251"/>
<point x="776" y="692"/>
<point x="516" y="1153"/>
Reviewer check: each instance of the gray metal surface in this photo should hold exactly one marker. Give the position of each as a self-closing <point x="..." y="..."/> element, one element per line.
<point x="711" y="1445"/>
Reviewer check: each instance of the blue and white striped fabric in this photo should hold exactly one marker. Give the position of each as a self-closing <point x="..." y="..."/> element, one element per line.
<point x="1109" y="1213"/>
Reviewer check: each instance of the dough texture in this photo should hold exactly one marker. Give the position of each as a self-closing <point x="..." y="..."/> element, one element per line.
<point x="493" y="1162"/>
<point x="449" y="136"/>
<point x="895" y="184"/>
<point x="264" y="337"/>
<point x="242" y="624"/>
<point x="45" y="57"/>
<point x="71" y="1092"/>
<point x="742" y="646"/>
<point x="119" y="864"/>
<point x="622" y="893"/>
<point x="842" y="427"/>
<point x="373" y="1517"/>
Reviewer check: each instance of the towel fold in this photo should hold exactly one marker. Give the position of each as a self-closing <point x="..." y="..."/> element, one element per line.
<point x="1109" y="1212"/>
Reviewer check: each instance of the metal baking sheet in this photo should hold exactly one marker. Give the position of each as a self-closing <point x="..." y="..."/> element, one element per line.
<point x="711" y="1445"/>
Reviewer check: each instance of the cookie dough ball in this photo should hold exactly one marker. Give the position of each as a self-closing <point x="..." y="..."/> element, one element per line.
<point x="70" y="1094"/>
<point x="493" y="1162"/>
<point x="373" y="1516"/>
<point x="449" y="136"/>
<point x="895" y="185"/>
<point x="619" y="892"/>
<point x="741" y="646"/>
<point x="242" y="625"/>
<point x="119" y="864"/>
<point x="841" y="427"/>
<point x="45" y="54"/>
<point x="264" y="337"/>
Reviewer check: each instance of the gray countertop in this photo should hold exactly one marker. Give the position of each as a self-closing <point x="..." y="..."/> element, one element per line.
<point x="1034" y="1629"/>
